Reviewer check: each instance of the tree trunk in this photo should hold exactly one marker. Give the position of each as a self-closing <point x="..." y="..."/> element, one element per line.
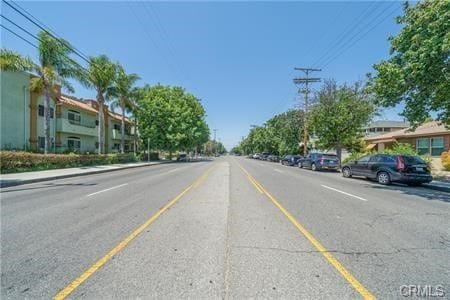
<point x="135" y="136"/>
<point x="100" y="121"/>
<point x="339" y="153"/>
<point x="47" y="120"/>
<point x="122" y="129"/>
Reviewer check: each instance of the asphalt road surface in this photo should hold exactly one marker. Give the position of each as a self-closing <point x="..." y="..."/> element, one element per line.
<point x="231" y="228"/>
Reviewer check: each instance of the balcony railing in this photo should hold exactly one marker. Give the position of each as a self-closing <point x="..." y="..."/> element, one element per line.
<point x="74" y="127"/>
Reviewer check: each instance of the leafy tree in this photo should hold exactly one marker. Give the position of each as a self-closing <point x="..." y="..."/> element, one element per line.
<point x="279" y="135"/>
<point x="339" y="116"/>
<point x="172" y="119"/>
<point x="137" y="94"/>
<point x="418" y="71"/>
<point x="54" y="67"/>
<point x="122" y="93"/>
<point x="101" y="75"/>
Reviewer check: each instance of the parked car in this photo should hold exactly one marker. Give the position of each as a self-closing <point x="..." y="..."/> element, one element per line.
<point x="256" y="156"/>
<point x="387" y="168"/>
<point x="273" y="158"/>
<point x="320" y="161"/>
<point x="183" y="157"/>
<point x="291" y="160"/>
<point x="264" y="156"/>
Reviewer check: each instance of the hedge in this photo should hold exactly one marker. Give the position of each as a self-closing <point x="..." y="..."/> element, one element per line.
<point x="12" y="162"/>
<point x="445" y="158"/>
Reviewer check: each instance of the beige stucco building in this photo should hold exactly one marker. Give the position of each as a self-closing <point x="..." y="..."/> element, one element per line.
<point x="73" y="123"/>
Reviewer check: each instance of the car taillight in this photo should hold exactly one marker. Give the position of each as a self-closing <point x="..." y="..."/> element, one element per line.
<point x="400" y="163"/>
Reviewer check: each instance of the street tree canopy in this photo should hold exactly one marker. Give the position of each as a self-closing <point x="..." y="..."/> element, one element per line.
<point x="339" y="116"/>
<point x="172" y="119"/>
<point x="279" y="135"/>
<point x="417" y="73"/>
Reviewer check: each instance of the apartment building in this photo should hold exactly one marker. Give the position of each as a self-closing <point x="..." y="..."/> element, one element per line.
<point x="73" y="123"/>
<point x="383" y="126"/>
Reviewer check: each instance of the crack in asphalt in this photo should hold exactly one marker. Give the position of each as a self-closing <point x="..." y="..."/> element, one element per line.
<point x="396" y="251"/>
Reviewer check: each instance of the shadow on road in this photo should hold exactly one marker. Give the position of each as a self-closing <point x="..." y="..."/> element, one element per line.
<point x="423" y="192"/>
<point x="47" y="185"/>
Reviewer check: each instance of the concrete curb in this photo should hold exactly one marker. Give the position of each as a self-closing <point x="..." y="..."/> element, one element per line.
<point x="28" y="181"/>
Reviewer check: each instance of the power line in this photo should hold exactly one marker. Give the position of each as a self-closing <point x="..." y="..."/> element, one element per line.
<point x="153" y="16"/>
<point x="46" y="29"/>
<point x="348" y="30"/>
<point x="331" y="59"/>
<point x="149" y="36"/>
<point x="322" y="36"/>
<point x="18" y="35"/>
<point x="82" y="69"/>
<point x="20" y="27"/>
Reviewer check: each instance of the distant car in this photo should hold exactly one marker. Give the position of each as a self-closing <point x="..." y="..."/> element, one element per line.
<point x="320" y="161"/>
<point x="183" y="157"/>
<point x="273" y="158"/>
<point x="387" y="168"/>
<point x="256" y="156"/>
<point x="291" y="160"/>
<point x="264" y="156"/>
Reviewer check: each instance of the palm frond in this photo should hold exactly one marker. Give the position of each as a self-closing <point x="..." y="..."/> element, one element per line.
<point x="13" y="61"/>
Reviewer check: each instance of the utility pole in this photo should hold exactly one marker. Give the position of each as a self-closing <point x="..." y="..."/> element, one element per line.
<point x="300" y="81"/>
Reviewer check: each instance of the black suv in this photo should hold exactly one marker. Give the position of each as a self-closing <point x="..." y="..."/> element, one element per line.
<point x="320" y="161"/>
<point x="290" y="160"/>
<point x="387" y="168"/>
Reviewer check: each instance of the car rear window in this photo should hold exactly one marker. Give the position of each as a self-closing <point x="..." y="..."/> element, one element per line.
<point x="413" y="160"/>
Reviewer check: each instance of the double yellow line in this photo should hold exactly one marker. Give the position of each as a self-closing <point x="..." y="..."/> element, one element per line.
<point x="322" y="250"/>
<point x="102" y="261"/>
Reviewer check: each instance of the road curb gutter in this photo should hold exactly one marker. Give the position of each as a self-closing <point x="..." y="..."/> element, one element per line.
<point x="28" y="181"/>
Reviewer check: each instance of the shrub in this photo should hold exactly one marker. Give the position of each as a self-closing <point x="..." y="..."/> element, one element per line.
<point x="397" y="148"/>
<point x="445" y="158"/>
<point x="11" y="162"/>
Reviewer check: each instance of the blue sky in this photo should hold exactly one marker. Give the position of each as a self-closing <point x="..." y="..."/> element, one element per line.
<point x="238" y="57"/>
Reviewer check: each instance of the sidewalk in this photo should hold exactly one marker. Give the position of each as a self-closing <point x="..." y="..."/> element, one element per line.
<point x="7" y="180"/>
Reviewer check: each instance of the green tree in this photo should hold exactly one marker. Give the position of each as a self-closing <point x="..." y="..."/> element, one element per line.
<point x="54" y="67"/>
<point x="172" y="119"/>
<point x="339" y="116"/>
<point x="100" y="76"/>
<point x="122" y="92"/>
<point x="417" y="73"/>
<point x="137" y="94"/>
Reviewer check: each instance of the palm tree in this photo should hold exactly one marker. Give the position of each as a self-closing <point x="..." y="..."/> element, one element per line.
<point x="122" y="92"/>
<point x="101" y="75"/>
<point x="54" y="67"/>
<point x="136" y="95"/>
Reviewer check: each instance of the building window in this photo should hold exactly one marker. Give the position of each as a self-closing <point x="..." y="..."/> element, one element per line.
<point x="41" y="111"/>
<point x="116" y="126"/>
<point x="379" y="129"/>
<point x="437" y="146"/>
<point x="74" y="117"/>
<point x="116" y="147"/>
<point x="423" y="146"/>
<point x="74" y="143"/>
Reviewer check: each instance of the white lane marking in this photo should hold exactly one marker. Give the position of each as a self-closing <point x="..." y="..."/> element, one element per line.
<point x="173" y="170"/>
<point x="277" y="170"/>
<point x="114" y="187"/>
<point x="345" y="193"/>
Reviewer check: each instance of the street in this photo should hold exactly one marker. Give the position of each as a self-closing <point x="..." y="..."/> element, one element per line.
<point x="229" y="228"/>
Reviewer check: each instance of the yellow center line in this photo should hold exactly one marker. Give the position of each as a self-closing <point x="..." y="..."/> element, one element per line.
<point x="102" y="261"/>
<point x="329" y="257"/>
